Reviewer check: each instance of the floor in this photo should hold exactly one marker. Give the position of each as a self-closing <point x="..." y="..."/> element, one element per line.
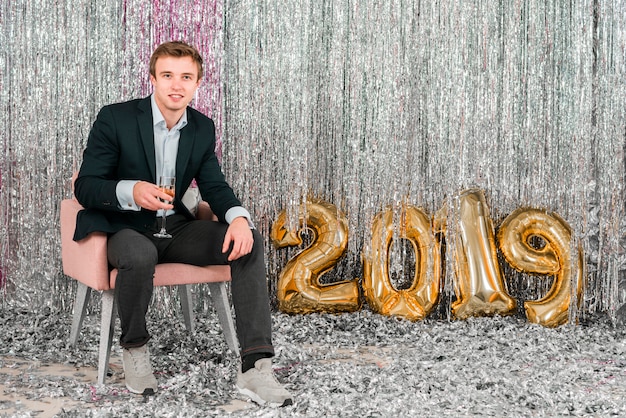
<point x="349" y="365"/>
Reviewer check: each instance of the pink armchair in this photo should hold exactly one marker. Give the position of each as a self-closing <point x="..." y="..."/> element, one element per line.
<point x="86" y="262"/>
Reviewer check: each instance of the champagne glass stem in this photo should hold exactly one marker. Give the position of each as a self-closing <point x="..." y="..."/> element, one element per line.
<point x="163" y="230"/>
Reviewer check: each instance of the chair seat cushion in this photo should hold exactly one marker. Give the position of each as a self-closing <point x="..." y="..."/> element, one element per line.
<point x="168" y="274"/>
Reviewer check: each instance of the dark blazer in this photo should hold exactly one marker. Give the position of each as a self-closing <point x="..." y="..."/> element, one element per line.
<point x="121" y="146"/>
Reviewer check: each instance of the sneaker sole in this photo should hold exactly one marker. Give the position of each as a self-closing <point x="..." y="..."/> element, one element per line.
<point x="262" y="402"/>
<point x="146" y="391"/>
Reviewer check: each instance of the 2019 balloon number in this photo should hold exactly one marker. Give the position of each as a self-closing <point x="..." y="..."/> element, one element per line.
<point x="479" y="286"/>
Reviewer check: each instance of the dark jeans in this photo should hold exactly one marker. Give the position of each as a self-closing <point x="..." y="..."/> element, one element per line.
<point x="197" y="242"/>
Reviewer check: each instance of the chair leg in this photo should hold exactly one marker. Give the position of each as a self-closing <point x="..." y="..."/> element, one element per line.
<point x="184" y="291"/>
<point x="107" y="327"/>
<point x="219" y="295"/>
<point x="80" y="308"/>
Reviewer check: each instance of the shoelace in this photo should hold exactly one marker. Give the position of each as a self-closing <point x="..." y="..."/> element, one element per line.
<point x="141" y="361"/>
<point x="269" y="374"/>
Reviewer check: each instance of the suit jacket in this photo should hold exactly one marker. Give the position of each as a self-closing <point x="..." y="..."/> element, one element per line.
<point x="121" y="146"/>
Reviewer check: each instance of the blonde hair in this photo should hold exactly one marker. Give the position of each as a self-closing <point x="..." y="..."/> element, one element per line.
<point x="175" y="49"/>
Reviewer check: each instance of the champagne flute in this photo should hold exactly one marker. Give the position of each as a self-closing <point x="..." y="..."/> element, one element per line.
<point x="167" y="185"/>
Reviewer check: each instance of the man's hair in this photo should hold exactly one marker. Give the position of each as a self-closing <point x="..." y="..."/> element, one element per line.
<point x="175" y="49"/>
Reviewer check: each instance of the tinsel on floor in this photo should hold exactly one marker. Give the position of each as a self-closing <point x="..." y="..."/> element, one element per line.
<point x="359" y="364"/>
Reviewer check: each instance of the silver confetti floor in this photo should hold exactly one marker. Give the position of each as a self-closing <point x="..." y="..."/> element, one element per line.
<point x="358" y="364"/>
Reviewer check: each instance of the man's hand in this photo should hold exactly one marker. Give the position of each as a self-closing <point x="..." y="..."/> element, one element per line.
<point x="148" y="196"/>
<point x="240" y="235"/>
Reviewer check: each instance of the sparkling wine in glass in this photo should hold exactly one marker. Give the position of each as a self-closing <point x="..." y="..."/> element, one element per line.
<point x="167" y="185"/>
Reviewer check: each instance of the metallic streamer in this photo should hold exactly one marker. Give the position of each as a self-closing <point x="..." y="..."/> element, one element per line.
<point x="372" y="105"/>
<point x="365" y="105"/>
<point x="61" y="62"/>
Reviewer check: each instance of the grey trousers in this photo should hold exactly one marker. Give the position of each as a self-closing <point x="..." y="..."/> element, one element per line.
<point x="197" y="242"/>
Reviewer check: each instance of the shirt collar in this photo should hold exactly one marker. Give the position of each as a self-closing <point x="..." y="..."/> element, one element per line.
<point x="158" y="119"/>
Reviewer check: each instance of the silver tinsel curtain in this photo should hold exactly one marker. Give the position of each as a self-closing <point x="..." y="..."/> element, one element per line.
<point x="363" y="104"/>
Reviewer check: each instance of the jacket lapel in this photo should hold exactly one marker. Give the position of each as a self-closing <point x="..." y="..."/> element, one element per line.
<point x="144" y="118"/>
<point x="185" y="145"/>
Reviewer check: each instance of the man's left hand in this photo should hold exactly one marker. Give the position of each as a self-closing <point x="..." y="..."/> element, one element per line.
<point x="240" y="235"/>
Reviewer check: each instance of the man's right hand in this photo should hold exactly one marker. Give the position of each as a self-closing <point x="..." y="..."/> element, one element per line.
<point x="148" y="196"/>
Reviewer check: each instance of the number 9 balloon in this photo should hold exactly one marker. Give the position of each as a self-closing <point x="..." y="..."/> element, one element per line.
<point x="552" y="258"/>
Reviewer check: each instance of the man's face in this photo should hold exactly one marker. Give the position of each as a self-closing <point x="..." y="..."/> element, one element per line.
<point x="175" y="83"/>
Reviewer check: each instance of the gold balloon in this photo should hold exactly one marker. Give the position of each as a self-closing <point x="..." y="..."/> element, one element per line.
<point x="416" y="302"/>
<point x="480" y="289"/>
<point x="552" y="258"/>
<point x="299" y="289"/>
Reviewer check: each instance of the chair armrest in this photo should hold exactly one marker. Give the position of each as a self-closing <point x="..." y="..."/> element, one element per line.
<point x="205" y="212"/>
<point x="85" y="260"/>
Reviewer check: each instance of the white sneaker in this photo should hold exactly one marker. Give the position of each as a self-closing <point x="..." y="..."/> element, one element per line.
<point x="260" y="385"/>
<point x="138" y="371"/>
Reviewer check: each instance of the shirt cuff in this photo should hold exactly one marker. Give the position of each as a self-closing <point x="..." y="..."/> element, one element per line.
<point x="236" y="212"/>
<point x="124" y="193"/>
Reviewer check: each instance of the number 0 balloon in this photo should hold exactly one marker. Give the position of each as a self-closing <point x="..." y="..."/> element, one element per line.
<point x="416" y="302"/>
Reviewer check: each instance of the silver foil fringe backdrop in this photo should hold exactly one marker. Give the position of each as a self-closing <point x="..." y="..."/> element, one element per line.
<point x="364" y="104"/>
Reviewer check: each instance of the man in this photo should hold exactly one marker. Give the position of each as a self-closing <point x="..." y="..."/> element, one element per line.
<point x="130" y="145"/>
